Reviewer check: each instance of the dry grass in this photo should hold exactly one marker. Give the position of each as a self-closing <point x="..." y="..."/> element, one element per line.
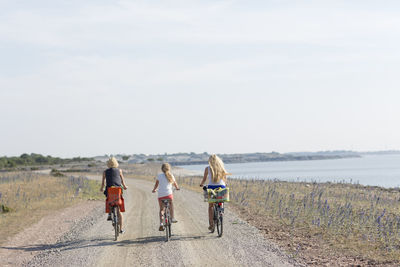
<point x="29" y="197"/>
<point x="336" y="224"/>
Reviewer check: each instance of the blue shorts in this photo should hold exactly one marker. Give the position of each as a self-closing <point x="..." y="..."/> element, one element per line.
<point x="215" y="186"/>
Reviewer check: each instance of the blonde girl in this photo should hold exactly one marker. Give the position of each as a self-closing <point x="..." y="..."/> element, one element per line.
<point x="164" y="183"/>
<point x="113" y="177"/>
<point x="216" y="174"/>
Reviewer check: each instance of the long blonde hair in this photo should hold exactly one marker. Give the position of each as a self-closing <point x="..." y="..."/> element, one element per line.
<point x="166" y="168"/>
<point x="217" y="168"/>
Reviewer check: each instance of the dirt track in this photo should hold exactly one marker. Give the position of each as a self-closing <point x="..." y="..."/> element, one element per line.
<point x="90" y="240"/>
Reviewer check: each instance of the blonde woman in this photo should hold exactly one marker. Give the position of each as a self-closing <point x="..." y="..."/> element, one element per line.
<point x="164" y="184"/>
<point x="113" y="177"/>
<point x="216" y="174"/>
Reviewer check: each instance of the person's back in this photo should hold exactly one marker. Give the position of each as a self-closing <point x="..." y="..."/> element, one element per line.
<point x="113" y="177"/>
<point x="213" y="184"/>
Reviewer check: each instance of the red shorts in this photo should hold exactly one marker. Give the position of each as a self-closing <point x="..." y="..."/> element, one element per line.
<point x="171" y="197"/>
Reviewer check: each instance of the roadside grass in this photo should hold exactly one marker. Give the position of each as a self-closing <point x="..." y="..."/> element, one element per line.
<point x="29" y="196"/>
<point x="322" y="223"/>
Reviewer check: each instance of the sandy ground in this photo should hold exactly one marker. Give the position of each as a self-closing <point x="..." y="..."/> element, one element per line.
<point x="87" y="239"/>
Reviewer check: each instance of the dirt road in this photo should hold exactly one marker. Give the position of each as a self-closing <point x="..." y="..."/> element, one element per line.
<point x="90" y="240"/>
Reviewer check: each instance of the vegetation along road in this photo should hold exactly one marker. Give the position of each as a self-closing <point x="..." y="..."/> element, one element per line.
<point x="81" y="236"/>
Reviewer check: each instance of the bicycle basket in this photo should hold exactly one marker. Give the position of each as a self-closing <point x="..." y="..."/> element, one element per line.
<point x="218" y="195"/>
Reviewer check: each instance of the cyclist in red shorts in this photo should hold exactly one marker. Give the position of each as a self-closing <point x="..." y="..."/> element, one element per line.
<point x="164" y="184"/>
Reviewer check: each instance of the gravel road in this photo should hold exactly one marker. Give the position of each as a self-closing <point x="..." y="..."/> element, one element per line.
<point x="89" y="242"/>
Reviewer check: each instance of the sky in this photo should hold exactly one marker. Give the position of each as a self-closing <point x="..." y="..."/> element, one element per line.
<point x="95" y="77"/>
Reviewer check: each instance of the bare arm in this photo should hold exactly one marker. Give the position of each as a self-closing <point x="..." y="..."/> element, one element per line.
<point x="122" y="180"/>
<point x="155" y="187"/>
<point x="102" y="182"/>
<point x="176" y="186"/>
<point x="205" y="177"/>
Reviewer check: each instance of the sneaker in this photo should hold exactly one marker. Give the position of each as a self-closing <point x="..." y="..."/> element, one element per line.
<point x="109" y="217"/>
<point x="210" y="227"/>
<point x="122" y="232"/>
<point x="173" y="220"/>
<point x="161" y="228"/>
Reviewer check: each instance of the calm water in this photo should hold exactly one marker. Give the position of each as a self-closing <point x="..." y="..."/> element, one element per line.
<point x="379" y="170"/>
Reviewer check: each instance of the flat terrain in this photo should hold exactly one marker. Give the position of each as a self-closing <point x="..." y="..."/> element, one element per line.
<point x="81" y="236"/>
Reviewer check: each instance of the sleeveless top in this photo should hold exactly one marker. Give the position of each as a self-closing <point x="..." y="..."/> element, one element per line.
<point x="113" y="177"/>
<point x="210" y="182"/>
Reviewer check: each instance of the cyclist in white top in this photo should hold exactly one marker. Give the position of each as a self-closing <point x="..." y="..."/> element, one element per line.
<point x="164" y="184"/>
<point x="216" y="175"/>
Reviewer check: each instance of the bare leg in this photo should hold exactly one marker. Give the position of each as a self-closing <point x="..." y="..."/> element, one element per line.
<point x="161" y="210"/>
<point x="210" y="213"/>
<point x="120" y="219"/>
<point x="171" y="208"/>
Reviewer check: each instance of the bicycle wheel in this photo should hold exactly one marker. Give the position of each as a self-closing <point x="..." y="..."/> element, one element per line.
<point x="115" y="222"/>
<point x="167" y="227"/>
<point x="220" y="227"/>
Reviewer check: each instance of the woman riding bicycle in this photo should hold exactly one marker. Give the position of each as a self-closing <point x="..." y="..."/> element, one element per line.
<point x="216" y="175"/>
<point x="113" y="177"/>
<point x="164" y="184"/>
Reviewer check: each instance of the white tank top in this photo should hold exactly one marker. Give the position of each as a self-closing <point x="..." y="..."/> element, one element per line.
<point x="210" y="182"/>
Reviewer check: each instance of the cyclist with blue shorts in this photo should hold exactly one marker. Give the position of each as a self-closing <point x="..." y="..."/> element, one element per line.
<point x="216" y="174"/>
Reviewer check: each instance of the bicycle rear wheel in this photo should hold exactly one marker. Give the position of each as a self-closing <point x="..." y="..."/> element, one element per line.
<point x="115" y="222"/>
<point x="220" y="227"/>
<point x="167" y="228"/>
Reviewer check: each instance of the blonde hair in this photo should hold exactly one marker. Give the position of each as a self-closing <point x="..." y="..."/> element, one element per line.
<point x="112" y="163"/>
<point x="217" y="168"/>
<point x="166" y="170"/>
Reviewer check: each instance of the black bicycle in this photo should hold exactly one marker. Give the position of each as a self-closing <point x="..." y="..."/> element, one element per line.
<point x="167" y="219"/>
<point x="218" y="213"/>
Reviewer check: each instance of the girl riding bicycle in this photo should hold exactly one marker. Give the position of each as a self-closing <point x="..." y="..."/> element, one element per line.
<point x="164" y="184"/>
<point x="216" y="174"/>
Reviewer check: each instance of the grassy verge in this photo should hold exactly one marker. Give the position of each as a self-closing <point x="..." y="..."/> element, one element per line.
<point x="26" y="197"/>
<point x="321" y="224"/>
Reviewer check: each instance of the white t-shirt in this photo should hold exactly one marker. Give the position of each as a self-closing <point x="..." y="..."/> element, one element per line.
<point x="164" y="187"/>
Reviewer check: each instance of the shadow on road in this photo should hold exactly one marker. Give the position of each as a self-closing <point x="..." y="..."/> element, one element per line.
<point x="105" y="242"/>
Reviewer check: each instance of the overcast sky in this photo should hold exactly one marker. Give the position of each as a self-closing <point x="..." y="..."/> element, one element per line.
<point x="94" y="77"/>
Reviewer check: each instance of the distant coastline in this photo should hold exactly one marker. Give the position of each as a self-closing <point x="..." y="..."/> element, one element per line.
<point x="202" y="158"/>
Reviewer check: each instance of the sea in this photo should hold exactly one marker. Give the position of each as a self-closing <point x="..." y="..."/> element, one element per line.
<point x="373" y="170"/>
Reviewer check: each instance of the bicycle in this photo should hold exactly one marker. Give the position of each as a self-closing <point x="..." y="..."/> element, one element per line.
<point x="167" y="219"/>
<point x="217" y="197"/>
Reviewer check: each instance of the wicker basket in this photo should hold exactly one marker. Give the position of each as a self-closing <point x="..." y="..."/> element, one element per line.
<point x="218" y="195"/>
